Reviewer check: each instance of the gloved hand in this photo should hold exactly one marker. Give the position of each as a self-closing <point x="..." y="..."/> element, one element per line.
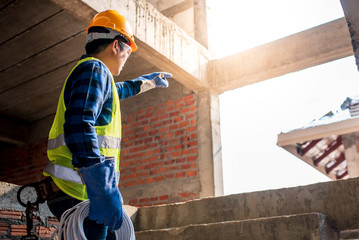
<point x="158" y="78"/>
<point x="102" y="190"/>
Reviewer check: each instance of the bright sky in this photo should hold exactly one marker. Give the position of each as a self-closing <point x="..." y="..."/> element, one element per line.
<point x="253" y="116"/>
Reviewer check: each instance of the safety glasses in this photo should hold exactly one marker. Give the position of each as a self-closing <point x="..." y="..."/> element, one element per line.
<point x="127" y="48"/>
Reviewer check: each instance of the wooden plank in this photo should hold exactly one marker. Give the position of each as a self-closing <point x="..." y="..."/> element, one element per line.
<point x="22" y="15"/>
<point x="43" y="63"/>
<point x="27" y="94"/>
<point x="321" y="44"/>
<point x="47" y="34"/>
<point x="13" y="131"/>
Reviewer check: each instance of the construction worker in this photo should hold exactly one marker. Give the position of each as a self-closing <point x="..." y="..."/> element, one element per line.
<point x="84" y="140"/>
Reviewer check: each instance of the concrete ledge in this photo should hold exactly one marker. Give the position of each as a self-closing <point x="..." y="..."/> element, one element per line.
<point x="313" y="226"/>
<point x="338" y="200"/>
<point x="349" y="234"/>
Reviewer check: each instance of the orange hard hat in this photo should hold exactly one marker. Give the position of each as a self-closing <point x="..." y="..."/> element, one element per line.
<point x="114" y="20"/>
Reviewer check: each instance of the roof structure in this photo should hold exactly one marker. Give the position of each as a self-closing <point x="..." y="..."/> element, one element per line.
<point x="320" y="143"/>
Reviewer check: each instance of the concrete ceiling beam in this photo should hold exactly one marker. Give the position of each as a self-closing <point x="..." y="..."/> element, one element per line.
<point x="351" y="8"/>
<point x="318" y="45"/>
<point x="160" y="41"/>
<point x="177" y="8"/>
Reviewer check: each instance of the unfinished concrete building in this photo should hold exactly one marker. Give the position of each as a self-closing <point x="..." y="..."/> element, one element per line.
<point x="171" y="147"/>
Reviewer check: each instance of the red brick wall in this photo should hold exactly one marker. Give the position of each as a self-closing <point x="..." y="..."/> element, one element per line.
<point x="13" y="225"/>
<point x="22" y="165"/>
<point x="159" y="144"/>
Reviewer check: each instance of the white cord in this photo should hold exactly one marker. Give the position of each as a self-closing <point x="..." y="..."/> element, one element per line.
<point x="71" y="224"/>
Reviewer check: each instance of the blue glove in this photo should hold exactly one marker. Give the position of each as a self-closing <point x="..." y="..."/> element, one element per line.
<point x="159" y="78"/>
<point x="102" y="190"/>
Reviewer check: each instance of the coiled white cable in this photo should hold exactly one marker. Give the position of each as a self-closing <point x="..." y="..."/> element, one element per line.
<point x="71" y="224"/>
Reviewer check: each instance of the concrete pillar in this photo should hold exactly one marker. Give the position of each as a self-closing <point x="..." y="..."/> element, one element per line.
<point x="200" y="22"/>
<point x="350" y="142"/>
<point x="209" y="147"/>
<point x="351" y="8"/>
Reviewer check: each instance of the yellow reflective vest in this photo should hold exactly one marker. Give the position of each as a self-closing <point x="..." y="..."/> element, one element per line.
<point x="60" y="168"/>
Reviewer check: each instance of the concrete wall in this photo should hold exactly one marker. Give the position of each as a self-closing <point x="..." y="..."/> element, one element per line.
<point x="351" y="151"/>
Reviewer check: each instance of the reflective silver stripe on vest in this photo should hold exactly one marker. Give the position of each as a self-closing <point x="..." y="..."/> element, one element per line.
<point x="64" y="173"/>
<point x="108" y="142"/>
<point x="103" y="142"/>
<point x="69" y="174"/>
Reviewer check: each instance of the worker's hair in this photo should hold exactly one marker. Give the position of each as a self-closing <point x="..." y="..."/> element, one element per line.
<point x="98" y="45"/>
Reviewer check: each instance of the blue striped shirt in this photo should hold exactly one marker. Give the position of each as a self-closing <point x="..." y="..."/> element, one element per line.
<point x="88" y="99"/>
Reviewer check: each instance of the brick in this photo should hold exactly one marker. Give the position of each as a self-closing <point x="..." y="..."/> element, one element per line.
<point x="144" y="200"/>
<point x="144" y="174"/>
<point x="192" y="173"/>
<point x="153" y="199"/>
<point x="192" y="144"/>
<point x="180" y="175"/>
<point x="18" y="230"/>
<point x="180" y="160"/>
<point x="159" y="178"/>
<point x="167" y="122"/>
<point x="170" y="108"/>
<point x="134" y="175"/>
<point x="140" y="182"/>
<point x="185" y="110"/>
<point x="150" y="180"/>
<point x="184" y="124"/>
<point x="175" y="154"/>
<point x="186" y="166"/>
<point x="10" y="214"/>
<point x="45" y="231"/>
<point x="154" y="172"/>
<point x="154" y="119"/>
<point x="190" y="115"/>
<point x="146" y="128"/>
<point x="149" y="115"/>
<point x="129" y="184"/>
<point x="178" y="119"/>
<point x="169" y="176"/>
<point x="179" y="133"/>
<point x="4" y="227"/>
<point x="169" y="103"/>
<point x="191" y="158"/>
<point x="164" y="197"/>
<point x="191" y="129"/>
<point x="153" y="132"/>
<point x="164" y="169"/>
<point x="159" y="164"/>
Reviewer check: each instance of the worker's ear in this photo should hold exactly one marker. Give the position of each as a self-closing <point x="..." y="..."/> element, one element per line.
<point x="114" y="47"/>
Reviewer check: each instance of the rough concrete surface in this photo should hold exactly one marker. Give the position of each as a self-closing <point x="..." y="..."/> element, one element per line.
<point x="313" y="226"/>
<point x="338" y="200"/>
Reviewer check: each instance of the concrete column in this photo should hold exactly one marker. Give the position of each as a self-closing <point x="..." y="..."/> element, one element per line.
<point x="200" y="22"/>
<point x="351" y="8"/>
<point x="351" y="154"/>
<point x="209" y="147"/>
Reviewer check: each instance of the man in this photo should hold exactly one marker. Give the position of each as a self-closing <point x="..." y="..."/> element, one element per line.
<point x="84" y="140"/>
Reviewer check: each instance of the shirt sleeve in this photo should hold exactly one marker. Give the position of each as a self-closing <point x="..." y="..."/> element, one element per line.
<point x="133" y="87"/>
<point x="85" y="92"/>
<point x="128" y="89"/>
